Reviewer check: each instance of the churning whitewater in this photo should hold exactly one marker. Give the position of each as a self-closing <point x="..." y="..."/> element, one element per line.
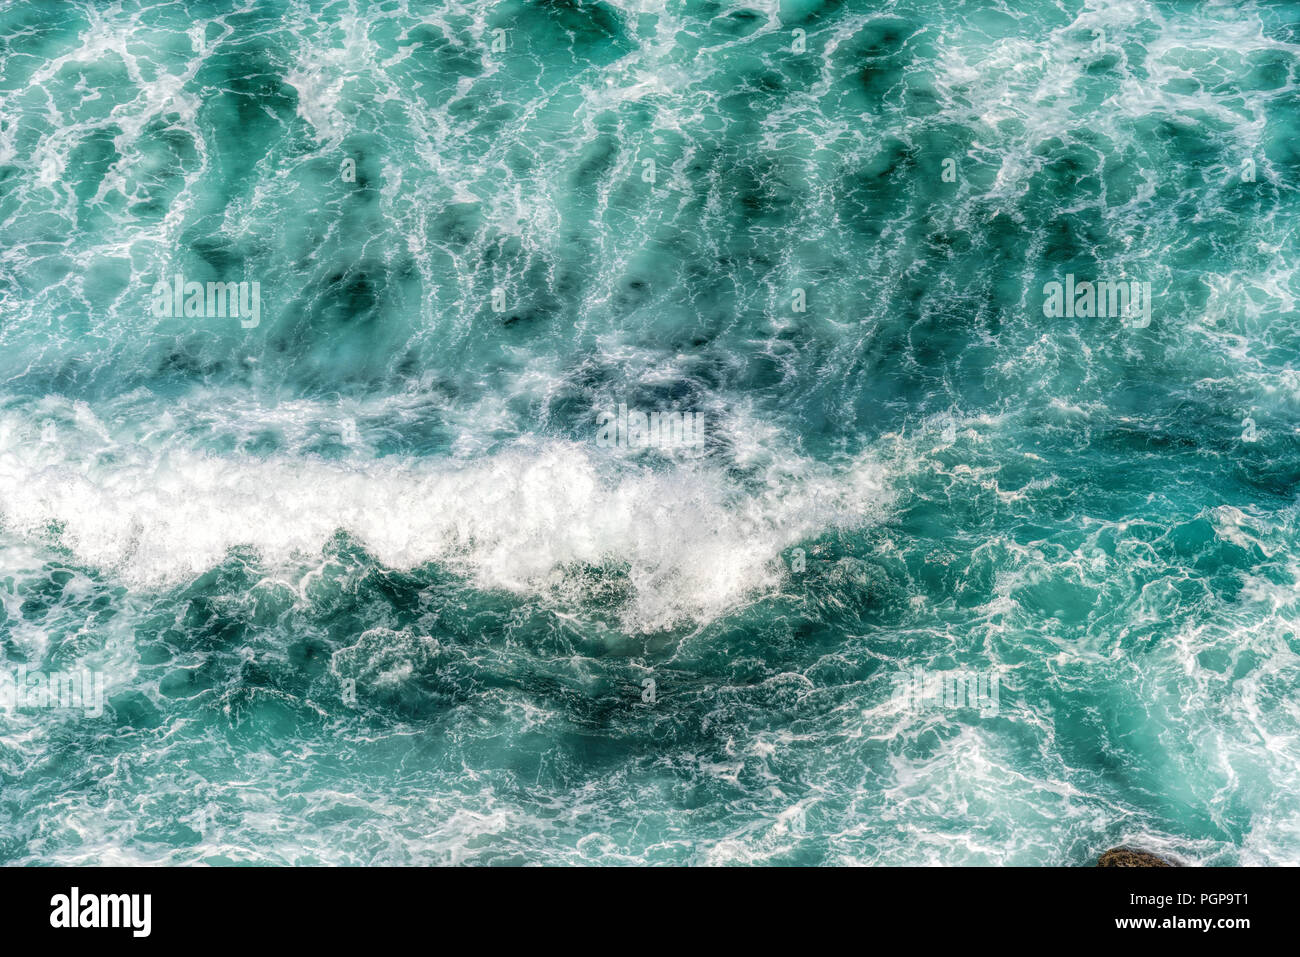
<point x="628" y="432"/>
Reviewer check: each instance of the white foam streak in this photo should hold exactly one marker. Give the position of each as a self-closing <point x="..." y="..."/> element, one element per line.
<point x="529" y="520"/>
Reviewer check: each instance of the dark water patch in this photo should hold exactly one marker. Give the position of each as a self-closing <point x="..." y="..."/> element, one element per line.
<point x="583" y="31"/>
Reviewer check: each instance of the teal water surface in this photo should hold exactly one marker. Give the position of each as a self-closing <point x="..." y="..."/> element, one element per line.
<point x="365" y="585"/>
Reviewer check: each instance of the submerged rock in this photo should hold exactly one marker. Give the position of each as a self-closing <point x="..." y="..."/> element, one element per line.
<point x="1126" y="857"/>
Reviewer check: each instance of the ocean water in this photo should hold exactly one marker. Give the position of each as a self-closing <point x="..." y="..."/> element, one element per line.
<point x="365" y="577"/>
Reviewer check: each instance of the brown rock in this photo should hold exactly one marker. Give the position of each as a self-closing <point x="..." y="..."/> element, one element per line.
<point x="1124" y="857"/>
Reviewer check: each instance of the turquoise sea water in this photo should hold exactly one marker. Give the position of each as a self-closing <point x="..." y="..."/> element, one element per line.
<point x="362" y="582"/>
